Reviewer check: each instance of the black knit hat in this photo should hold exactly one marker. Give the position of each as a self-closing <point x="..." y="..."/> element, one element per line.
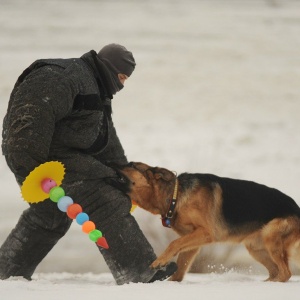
<point x="119" y="58"/>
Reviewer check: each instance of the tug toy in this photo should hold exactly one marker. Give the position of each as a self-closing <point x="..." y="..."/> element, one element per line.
<point x="44" y="182"/>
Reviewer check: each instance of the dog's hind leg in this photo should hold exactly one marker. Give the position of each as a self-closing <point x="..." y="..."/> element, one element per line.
<point x="280" y="257"/>
<point x="275" y="234"/>
<point x="263" y="257"/>
<point x="184" y="261"/>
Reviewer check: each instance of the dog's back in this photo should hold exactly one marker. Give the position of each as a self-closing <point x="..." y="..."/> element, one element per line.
<point x="245" y="201"/>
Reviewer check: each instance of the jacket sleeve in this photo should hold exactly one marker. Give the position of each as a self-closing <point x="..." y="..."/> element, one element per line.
<point x="113" y="153"/>
<point x="43" y="98"/>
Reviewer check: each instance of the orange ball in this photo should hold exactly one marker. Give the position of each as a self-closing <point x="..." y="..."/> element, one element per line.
<point x="88" y="226"/>
<point x="73" y="210"/>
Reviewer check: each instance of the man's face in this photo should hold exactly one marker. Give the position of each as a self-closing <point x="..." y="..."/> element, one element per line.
<point x="122" y="78"/>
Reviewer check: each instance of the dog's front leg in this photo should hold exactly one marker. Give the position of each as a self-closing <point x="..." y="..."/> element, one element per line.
<point x="187" y="242"/>
<point x="184" y="261"/>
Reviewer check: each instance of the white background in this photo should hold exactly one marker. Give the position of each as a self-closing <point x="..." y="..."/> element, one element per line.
<point x="216" y="90"/>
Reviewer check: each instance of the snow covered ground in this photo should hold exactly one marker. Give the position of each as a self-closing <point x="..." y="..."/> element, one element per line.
<point x="229" y="286"/>
<point x="216" y="90"/>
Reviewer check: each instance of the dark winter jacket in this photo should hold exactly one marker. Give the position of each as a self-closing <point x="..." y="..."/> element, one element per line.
<point x="60" y="109"/>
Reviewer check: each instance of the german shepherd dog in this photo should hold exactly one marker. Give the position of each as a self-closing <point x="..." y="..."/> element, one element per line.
<point x="205" y="209"/>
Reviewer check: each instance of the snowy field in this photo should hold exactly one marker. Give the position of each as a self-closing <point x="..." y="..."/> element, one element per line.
<point x="216" y="90"/>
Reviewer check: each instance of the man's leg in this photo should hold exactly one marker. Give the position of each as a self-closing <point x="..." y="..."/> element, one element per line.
<point x="130" y="254"/>
<point x="37" y="231"/>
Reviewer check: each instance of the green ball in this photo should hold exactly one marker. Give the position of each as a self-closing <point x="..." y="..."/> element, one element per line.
<point x="95" y="234"/>
<point x="56" y="193"/>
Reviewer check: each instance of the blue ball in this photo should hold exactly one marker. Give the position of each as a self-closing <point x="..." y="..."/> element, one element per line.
<point x="81" y="218"/>
<point x="64" y="202"/>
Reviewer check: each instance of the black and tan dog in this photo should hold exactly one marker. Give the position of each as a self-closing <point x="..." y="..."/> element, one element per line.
<point x="204" y="209"/>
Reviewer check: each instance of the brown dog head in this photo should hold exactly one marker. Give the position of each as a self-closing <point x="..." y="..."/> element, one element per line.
<point x="151" y="188"/>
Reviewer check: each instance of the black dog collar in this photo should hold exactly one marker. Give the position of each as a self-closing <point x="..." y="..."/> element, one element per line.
<point x="166" y="221"/>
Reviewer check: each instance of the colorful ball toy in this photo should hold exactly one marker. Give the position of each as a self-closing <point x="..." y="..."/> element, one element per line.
<point x="44" y="182"/>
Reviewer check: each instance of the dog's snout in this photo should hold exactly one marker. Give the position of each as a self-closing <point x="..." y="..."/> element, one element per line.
<point x="122" y="179"/>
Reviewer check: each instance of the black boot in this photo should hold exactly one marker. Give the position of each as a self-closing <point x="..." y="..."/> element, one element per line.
<point x="38" y="230"/>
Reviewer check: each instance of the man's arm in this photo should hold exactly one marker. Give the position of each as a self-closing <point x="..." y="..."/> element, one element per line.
<point x="43" y="98"/>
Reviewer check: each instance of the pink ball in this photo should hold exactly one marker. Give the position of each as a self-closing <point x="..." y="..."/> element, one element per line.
<point x="47" y="184"/>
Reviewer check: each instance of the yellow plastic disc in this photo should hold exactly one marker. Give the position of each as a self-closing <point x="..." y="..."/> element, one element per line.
<point x="31" y="189"/>
<point x="133" y="206"/>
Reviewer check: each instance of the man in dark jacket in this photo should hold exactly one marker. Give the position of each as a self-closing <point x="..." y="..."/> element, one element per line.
<point x="60" y="109"/>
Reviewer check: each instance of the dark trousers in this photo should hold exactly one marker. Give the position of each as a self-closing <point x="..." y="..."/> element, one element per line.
<point x="43" y="224"/>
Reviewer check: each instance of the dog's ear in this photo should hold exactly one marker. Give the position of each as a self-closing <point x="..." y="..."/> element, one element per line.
<point x="163" y="174"/>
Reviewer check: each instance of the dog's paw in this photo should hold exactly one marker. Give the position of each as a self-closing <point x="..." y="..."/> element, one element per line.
<point x="157" y="264"/>
<point x="176" y="277"/>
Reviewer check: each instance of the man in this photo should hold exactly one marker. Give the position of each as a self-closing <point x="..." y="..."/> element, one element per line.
<point x="60" y="109"/>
